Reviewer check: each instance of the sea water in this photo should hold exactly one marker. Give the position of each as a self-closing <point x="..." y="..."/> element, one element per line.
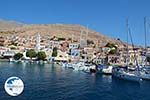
<point x="53" y="82"/>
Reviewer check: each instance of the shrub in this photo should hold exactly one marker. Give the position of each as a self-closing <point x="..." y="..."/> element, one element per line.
<point x="18" y="56"/>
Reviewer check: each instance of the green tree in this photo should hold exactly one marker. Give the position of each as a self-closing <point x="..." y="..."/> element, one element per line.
<point x="111" y="45"/>
<point x="18" y="56"/>
<point x="61" y="39"/>
<point x="12" y="48"/>
<point x="31" y="53"/>
<point x="113" y="51"/>
<point x="13" y="43"/>
<point x="41" y="55"/>
<point x="54" y="54"/>
<point x="113" y="48"/>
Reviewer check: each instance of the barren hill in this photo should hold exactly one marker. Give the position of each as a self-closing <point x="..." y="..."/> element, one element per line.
<point x="8" y="28"/>
<point x="6" y="25"/>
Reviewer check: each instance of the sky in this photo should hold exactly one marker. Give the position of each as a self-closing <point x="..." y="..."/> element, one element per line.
<point x="105" y="16"/>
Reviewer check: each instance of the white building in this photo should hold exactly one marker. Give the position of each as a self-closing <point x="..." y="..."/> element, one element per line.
<point x="3" y="49"/>
<point x="73" y="46"/>
<point x="53" y="44"/>
<point x="38" y="40"/>
<point x="61" y="56"/>
<point x="9" y="54"/>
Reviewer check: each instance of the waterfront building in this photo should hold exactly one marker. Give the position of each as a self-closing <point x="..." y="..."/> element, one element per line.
<point x="3" y="50"/>
<point x="147" y="52"/>
<point x="134" y="57"/>
<point x="61" y="56"/>
<point x="100" y="60"/>
<point x="87" y="54"/>
<point x="2" y="41"/>
<point x="123" y="57"/>
<point x="73" y="45"/>
<point x="8" y="54"/>
<point x="105" y="49"/>
<point x="75" y="55"/>
<point x="54" y="43"/>
<point x="64" y="46"/>
<point x="114" y="59"/>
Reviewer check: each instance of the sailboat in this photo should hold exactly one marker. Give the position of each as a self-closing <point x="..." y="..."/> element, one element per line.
<point x="124" y="73"/>
<point x="145" y="72"/>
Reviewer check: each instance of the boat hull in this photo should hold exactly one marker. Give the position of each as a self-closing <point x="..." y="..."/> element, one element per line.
<point x="126" y="76"/>
<point x="145" y="76"/>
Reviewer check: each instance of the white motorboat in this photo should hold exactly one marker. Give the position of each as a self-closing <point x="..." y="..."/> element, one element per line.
<point x="104" y="69"/>
<point x="78" y="66"/>
<point x="81" y="66"/>
<point x="64" y="64"/>
<point x="89" y="68"/>
<point x="70" y="65"/>
<point x="107" y="70"/>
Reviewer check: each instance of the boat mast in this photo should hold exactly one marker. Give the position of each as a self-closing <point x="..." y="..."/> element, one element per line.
<point x="127" y="26"/>
<point x="133" y="47"/>
<point x="129" y="33"/>
<point x="145" y="32"/>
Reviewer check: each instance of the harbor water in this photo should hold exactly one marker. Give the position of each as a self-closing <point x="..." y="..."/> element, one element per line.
<point x="53" y="82"/>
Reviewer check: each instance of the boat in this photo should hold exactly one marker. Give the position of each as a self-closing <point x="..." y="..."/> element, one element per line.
<point x="145" y="69"/>
<point x="78" y="66"/>
<point x="145" y="73"/>
<point x="124" y="74"/>
<point x="104" y="69"/>
<point x="89" y="68"/>
<point x="107" y="70"/>
<point x="64" y="64"/>
<point x="70" y="65"/>
<point x="99" y="68"/>
<point x="82" y="66"/>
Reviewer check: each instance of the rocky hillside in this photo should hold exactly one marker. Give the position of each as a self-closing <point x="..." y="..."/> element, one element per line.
<point x="9" y="28"/>
<point x="6" y="25"/>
